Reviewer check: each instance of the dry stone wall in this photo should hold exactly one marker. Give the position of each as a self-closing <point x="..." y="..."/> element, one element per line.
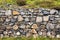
<point x="30" y="22"/>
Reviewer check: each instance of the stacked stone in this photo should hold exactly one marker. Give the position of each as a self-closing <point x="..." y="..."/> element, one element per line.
<point x="27" y="22"/>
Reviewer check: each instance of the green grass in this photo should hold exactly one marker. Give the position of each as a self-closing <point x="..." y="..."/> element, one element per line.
<point x="29" y="38"/>
<point x="32" y="3"/>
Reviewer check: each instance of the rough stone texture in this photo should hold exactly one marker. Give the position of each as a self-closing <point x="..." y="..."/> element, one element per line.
<point x="30" y="22"/>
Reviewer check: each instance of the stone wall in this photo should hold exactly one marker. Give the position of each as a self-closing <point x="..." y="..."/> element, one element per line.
<point x="30" y="22"/>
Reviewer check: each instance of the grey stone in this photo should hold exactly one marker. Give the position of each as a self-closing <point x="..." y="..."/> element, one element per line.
<point x="51" y="17"/>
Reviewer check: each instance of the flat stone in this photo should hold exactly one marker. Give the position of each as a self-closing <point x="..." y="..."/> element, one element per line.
<point x="38" y="19"/>
<point x="20" y="18"/>
<point x="45" y="18"/>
